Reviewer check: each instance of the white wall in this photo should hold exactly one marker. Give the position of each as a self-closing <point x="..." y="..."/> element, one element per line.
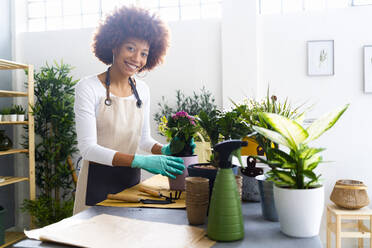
<point x="193" y="60"/>
<point x="284" y="68"/>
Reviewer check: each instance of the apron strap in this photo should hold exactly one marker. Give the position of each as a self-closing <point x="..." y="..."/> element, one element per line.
<point x="134" y="90"/>
<point x="107" y="83"/>
<point x="132" y="85"/>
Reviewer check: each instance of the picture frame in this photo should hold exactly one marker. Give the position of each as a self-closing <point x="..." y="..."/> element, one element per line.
<point x="367" y="59"/>
<point x="320" y="58"/>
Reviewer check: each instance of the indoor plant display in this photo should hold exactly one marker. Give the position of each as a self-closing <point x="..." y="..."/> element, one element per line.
<point x="218" y="126"/>
<point x="20" y="111"/>
<point x="250" y="110"/>
<point x="180" y="129"/>
<point x="293" y="171"/>
<point x="55" y="141"/>
<point x="193" y="105"/>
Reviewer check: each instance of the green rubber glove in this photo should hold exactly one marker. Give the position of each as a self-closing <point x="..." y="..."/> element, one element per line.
<point x="165" y="150"/>
<point x="159" y="164"/>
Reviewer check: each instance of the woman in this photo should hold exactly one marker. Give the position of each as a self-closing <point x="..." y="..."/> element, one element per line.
<point x="112" y="108"/>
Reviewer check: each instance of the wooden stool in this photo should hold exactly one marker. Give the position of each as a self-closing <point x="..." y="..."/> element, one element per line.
<point x="344" y="214"/>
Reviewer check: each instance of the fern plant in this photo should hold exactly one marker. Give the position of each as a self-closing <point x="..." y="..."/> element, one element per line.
<point x="55" y="140"/>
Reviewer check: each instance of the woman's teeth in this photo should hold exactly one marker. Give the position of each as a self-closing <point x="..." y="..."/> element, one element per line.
<point x="133" y="67"/>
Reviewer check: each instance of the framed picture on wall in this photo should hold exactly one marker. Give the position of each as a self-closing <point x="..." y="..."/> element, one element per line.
<point x="320" y="58"/>
<point x="367" y="69"/>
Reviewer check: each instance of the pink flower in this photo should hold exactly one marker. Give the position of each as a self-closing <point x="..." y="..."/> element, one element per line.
<point x="181" y="114"/>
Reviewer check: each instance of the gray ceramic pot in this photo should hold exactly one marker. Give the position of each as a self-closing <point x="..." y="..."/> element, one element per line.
<point x="266" y="189"/>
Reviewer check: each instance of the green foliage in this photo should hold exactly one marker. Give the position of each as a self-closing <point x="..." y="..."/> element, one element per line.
<point x="56" y="140"/>
<point x="294" y="169"/>
<point x="19" y="110"/>
<point x="193" y="105"/>
<point x="250" y="114"/>
<point x="47" y="210"/>
<point x="223" y="126"/>
<point x="6" y="111"/>
<point x="231" y="125"/>
<point x="180" y="128"/>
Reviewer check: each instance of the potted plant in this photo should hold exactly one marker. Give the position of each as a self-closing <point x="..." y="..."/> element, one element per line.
<point x="55" y="142"/>
<point x="180" y="128"/>
<point x="193" y="105"/>
<point x="6" y="114"/>
<point x="20" y="111"/>
<point x="293" y="171"/>
<point x="258" y="145"/>
<point x="218" y="126"/>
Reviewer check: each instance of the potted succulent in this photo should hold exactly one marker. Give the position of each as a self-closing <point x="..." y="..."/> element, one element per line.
<point x="20" y="111"/>
<point x="293" y="171"/>
<point x="180" y="129"/>
<point x="6" y="114"/>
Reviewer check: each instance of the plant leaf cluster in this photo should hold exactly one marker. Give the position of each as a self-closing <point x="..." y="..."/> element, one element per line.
<point x="193" y="105"/>
<point x="180" y="128"/>
<point x="55" y="140"/>
<point x="294" y="169"/>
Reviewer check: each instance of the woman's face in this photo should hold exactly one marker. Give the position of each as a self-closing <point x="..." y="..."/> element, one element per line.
<point x="131" y="56"/>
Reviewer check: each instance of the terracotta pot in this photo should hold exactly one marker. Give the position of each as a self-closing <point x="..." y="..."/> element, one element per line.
<point x="350" y="194"/>
<point x="179" y="182"/>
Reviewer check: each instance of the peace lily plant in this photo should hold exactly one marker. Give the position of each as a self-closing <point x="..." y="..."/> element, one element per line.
<point x="293" y="171"/>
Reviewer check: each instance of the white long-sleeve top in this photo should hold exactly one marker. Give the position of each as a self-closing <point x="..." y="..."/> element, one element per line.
<point x="88" y="93"/>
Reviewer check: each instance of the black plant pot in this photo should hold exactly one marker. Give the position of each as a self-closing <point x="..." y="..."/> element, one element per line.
<point x="206" y="173"/>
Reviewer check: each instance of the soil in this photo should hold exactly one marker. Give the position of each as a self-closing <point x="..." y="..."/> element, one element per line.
<point x="208" y="167"/>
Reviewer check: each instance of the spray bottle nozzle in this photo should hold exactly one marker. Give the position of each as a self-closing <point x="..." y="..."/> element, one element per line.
<point x="224" y="150"/>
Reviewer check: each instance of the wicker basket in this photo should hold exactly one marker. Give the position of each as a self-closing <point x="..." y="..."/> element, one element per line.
<point x="350" y="194"/>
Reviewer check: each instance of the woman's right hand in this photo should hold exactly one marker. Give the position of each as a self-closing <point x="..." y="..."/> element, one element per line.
<point x="159" y="164"/>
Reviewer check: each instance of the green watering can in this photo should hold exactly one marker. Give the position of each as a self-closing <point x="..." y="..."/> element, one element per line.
<point x="225" y="219"/>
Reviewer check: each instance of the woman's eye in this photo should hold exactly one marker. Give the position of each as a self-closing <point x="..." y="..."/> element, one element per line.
<point x="131" y="49"/>
<point x="144" y="54"/>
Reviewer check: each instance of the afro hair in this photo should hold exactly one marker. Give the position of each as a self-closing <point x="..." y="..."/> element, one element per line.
<point x="131" y="22"/>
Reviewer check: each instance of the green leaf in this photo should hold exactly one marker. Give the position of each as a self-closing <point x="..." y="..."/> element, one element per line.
<point x="273" y="136"/>
<point x="176" y="146"/>
<point x="282" y="156"/>
<point x="327" y="121"/>
<point x="312" y="162"/>
<point x="310" y="174"/>
<point x="289" y="129"/>
<point x="286" y="177"/>
<point x="308" y="152"/>
<point x="237" y="153"/>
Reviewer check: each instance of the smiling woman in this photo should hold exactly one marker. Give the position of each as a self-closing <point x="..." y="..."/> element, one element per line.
<point x="112" y="108"/>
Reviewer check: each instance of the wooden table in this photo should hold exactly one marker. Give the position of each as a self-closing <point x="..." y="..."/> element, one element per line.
<point x="259" y="233"/>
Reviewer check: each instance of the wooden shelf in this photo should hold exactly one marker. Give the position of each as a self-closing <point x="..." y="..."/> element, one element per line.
<point x="13" y="122"/>
<point x="9" y="65"/>
<point x="13" y="151"/>
<point x="8" y="93"/>
<point x="12" y="237"/>
<point x="11" y="180"/>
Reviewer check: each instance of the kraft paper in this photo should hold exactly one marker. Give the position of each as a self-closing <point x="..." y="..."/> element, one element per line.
<point x="113" y="231"/>
<point x="157" y="183"/>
